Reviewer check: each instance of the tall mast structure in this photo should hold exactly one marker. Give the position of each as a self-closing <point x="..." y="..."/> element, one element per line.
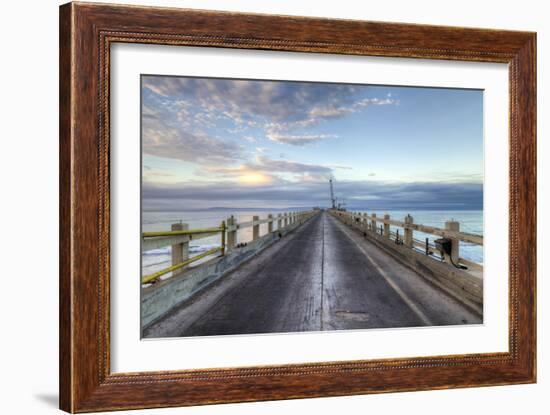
<point x="332" y="198"/>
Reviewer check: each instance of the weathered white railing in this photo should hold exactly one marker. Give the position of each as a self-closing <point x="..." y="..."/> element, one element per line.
<point x="180" y="235"/>
<point x="281" y="221"/>
<point x="381" y="225"/>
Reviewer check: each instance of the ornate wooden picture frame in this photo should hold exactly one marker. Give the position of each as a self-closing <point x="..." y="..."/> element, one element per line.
<point x="87" y="32"/>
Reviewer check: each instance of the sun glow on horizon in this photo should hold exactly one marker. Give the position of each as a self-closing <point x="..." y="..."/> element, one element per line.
<point x="254" y="178"/>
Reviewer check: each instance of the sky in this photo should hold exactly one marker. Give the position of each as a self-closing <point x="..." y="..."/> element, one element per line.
<point x="225" y="143"/>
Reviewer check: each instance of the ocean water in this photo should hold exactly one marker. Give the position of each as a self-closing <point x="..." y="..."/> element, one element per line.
<point x="152" y="261"/>
<point x="158" y="259"/>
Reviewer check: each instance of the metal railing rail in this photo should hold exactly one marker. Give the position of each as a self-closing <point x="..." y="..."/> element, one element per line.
<point x="149" y="278"/>
<point x="177" y="233"/>
<point x="167" y="236"/>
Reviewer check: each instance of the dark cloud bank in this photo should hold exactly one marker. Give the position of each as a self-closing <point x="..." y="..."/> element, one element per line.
<point x="357" y="195"/>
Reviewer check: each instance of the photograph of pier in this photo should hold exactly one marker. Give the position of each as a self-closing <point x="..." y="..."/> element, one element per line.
<point x="275" y="206"/>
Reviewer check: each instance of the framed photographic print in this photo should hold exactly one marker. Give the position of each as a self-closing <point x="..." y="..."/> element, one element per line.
<point x="260" y="207"/>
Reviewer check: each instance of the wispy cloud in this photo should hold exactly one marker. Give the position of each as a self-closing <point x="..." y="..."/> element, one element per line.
<point x="267" y="164"/>
<point x="388" y="100"/>
<point x="184" y="145"/>
<point x="284" y="110"/>
<point x="269" y="167"/>
<point x="298" y="140"/>
<point x="238" y="99"/>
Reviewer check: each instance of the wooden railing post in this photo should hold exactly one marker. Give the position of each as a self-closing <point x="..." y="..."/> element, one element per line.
<point x="223" y="229"/>
<point x="180" y="252"/>
<point x="270" y="223"/>
<point x="386" y="226"/>
<point x="408" y="232"/>
<point x="373" y="222"/>
<point x="231" y="235"/>
<point x="255" y="228"/>
<point x="279" y="221"/>
<point x="455" y="255"/>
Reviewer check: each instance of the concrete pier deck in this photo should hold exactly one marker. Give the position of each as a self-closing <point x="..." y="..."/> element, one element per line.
<point x="322" y="276"/>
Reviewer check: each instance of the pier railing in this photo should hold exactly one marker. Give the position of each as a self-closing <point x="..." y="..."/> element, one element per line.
<point x="447" y="248"/>
<point x="180" y="235"/>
